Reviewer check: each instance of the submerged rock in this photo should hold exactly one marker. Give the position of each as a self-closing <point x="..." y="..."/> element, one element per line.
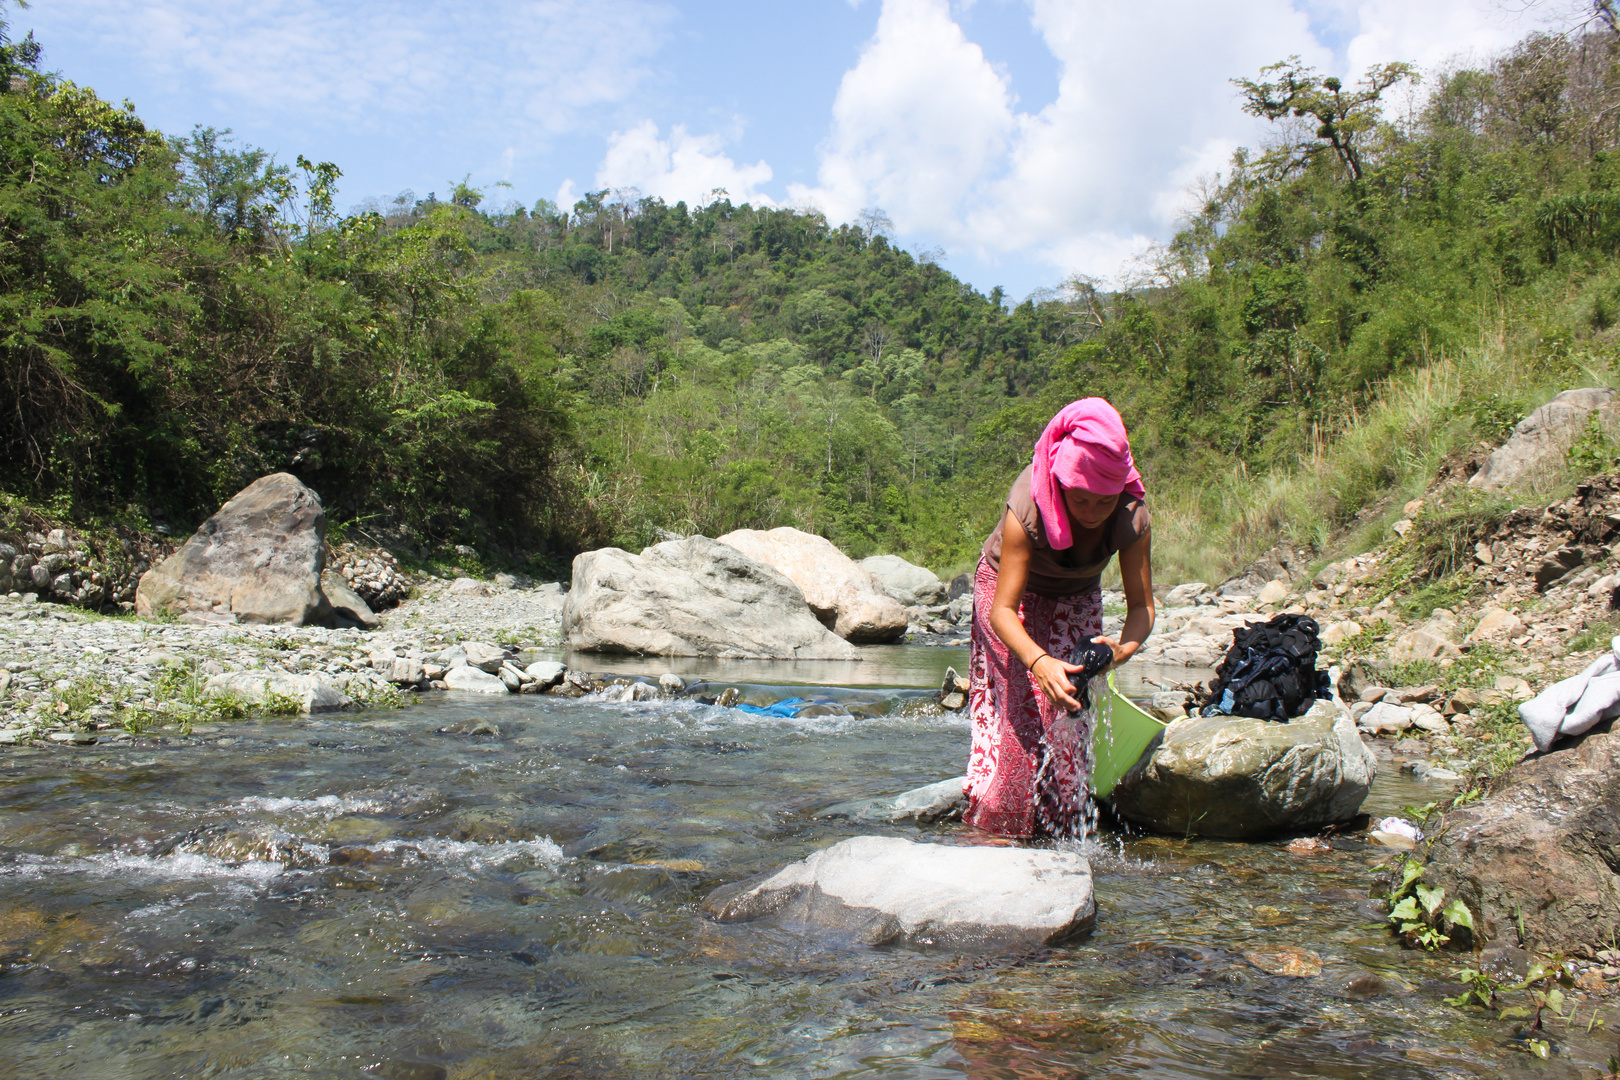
<point x="1540" y="852"/>
<point x="257" y="560"/>
<point x="692" y="597"/>
<point x="943" y="801"/>
<point x="844" y="596"/>
<point x="883" y="890"/>
<point x="1239" y="779"/>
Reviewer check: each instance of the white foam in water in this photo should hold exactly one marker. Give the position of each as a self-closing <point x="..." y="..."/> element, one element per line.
<point x="325" y="806"/>
<point x="468" y="855"/>
<point x="141" y="869"/>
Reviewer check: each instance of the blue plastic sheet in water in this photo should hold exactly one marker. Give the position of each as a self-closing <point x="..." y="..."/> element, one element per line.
<point x="788" y="707"/>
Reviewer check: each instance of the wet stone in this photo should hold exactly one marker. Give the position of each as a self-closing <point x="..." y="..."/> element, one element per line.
<point x="1361" y="987"/>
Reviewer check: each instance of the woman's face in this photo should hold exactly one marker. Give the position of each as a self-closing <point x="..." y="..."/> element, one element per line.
<point x="1087" y="508"/>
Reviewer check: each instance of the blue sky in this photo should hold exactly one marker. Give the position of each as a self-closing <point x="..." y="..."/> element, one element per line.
<point x="1026" y="140"/>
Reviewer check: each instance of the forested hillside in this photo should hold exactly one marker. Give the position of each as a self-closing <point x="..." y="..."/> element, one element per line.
<point x="179" y="314"/>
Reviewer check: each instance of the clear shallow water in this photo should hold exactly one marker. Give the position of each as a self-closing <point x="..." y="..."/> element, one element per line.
<point x="368" y="897"/>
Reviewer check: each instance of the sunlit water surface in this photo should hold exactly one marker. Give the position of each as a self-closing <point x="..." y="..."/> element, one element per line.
<point x="368" y="897"/>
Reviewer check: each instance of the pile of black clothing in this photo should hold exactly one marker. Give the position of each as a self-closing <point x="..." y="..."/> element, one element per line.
<point x="1270" y="671"/>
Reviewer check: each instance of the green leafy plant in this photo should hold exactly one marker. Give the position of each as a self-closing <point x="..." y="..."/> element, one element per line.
<point x="73" y="702"/>
<point x="368" y="697"/>
<point x="280" y="705"/>
<point x="1421" y="915"/>
<point x="1594" y="451"/>
<point x="1543" y="985"/>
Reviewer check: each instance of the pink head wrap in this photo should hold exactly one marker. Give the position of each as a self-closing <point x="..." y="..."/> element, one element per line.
<point x="1084" y="446"/>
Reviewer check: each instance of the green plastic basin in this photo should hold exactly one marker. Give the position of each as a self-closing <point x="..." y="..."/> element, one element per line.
<point x="1122" y="733"/>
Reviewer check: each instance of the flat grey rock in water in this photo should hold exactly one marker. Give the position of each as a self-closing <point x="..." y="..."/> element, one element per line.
<point x="883" y="890"/>
<point x="692" y="597"/>
<point x="1238" y="778"/>
<point x="471" y="678"/>
<point x="547" y="673"/>
<point x="925" y="805"/>
<point x="313" y="693"/>
<point x="259" y="560"/>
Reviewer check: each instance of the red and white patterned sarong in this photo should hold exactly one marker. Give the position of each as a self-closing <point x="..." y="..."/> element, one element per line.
<point x="1030" y="766"/>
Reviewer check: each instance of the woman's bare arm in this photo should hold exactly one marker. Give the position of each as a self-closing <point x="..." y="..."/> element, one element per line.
<point x="1051" y="673"/>
<point x="1136" y="570"/>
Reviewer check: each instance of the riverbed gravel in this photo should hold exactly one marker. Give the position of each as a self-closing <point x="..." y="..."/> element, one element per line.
<point x="68" y="676"/>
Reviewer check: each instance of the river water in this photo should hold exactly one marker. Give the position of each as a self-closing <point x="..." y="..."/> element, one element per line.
<point x="369" y="897"/>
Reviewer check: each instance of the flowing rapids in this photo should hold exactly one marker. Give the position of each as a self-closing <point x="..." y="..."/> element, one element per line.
<point x="368" y="897"/>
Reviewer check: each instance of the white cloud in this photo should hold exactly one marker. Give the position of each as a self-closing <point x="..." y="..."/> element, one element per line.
<point x="684" y="166"/>
<point x="1177" y="200"/>
<point x="917" y="122"/>
<point x="925" y="127"/>
<point x="1434" y="32"/>
<point x="533" y="65"/>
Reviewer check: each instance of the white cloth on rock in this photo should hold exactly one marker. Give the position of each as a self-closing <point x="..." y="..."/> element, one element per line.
<point x="1577" y="704"/>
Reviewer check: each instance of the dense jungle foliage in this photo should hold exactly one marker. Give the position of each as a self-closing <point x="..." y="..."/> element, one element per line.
<point x="181" y="314"/>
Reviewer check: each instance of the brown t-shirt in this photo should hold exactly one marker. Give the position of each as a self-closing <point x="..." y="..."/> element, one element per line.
<point x="1072" y="571"/>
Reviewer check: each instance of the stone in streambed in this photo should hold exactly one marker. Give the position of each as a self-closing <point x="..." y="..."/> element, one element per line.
<point x="547" y="673"/>
<point x="884" y="890"/>
<point x="692" y="597"/>
<point x="844" y="596"/>
<point x="312" y="693"/>
<point x="483" y="656"/>
<point x="1385" y="717"/>
<point x="257" y="560"/>
<point x="943" y="801"/>
<point x="1240" y="779"/>
<point x="401" y="670"/>
<point x="473" y="680"/>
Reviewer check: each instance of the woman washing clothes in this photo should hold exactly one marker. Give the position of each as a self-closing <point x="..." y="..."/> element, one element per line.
<point x="1037" y="608"/>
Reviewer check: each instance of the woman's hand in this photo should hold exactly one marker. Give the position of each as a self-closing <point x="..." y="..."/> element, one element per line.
<point x="1122" y="653"/>
<point x="1052" y="676"/>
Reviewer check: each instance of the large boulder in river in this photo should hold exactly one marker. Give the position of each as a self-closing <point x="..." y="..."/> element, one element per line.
<point x="1537" y="448"/>
<point x="882" y="890"/>
<point x="845" y="597"/>
<point x="1237" y="778"/>
<point x="692" y="597"/>
<point x="1541" y="851"/>
<point x="911" y="586"/>
<point x="258" y="560"/>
